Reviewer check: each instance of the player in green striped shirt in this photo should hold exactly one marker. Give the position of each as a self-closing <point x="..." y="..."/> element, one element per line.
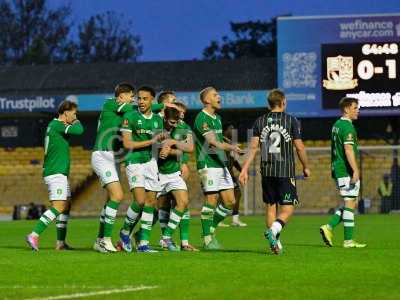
<point x="215" y="178"/>
<point x="56" y="169"/>
<point x="344" y="156"/>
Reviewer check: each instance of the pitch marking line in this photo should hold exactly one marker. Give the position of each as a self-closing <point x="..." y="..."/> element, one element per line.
<point x="97" y="293"/>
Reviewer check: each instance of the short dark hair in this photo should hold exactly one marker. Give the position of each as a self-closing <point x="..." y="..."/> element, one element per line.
<point x="171" y="113"/>
<point x="181" y="105"/>
<point x="123" y="87"/>
<point x="275" y="98"/>
<point x="148" y="89"/>
<point x="347" y="102"/>
<point x="163" y="95"/>
<point x="204" y="92"/>
<point x="66" y="105"/>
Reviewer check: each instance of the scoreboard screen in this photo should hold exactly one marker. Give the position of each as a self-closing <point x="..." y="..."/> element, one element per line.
<point x="366" y="71"/>
<point x="324" y="58"/>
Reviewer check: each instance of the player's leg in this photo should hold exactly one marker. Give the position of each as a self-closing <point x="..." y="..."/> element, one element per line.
<point x="146" y="221"/>
<point x="287" y="197"/>
<point x="235" y="211"/>
<point x="164" y="207"/>
<point x="135" y="175"/>
<point x="152" y="186"/>
<point x="115" y="196"/>
<point x="61" y="228"/>
<point x="207" y="215"/>
<point x="106" y="168"/>
<point x="182" y="201"/>
<point x="349" y="224"/>
<point x="224" y="208"/>
<point x="271" y="198"/>
<point x="58" y="193"/>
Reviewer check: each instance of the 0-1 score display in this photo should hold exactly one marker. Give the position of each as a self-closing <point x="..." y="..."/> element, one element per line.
<point x="366" y="71"/>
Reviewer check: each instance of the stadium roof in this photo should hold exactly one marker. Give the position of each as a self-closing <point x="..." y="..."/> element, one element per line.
<point x="244" y="74"/>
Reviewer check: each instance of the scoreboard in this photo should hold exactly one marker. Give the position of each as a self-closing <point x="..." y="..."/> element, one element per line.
<point x="322" y="59"/>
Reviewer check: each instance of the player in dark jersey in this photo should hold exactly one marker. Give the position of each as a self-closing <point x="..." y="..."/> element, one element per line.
<point x="276" y="133"/>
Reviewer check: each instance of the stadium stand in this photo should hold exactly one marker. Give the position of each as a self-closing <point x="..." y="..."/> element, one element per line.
<point x="21" y="175"/>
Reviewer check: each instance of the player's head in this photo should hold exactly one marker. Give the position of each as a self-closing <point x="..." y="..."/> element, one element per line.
<point x="67" y="111"/>
<point x="277" y="99"/>
<point x="171" y="117"/>
<point x="349" y="107"/>
<point x="210" y="97"/>
<point x="166" y="97"/>
<point x="124" y="92"/>
<point x="228" y="131"/>
<point x="182" y="109"/>
<point x="145" y="96"/>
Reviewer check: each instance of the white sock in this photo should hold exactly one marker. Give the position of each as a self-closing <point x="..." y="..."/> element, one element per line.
<point x="235" y="218"/>
<point x="276" y="227"/>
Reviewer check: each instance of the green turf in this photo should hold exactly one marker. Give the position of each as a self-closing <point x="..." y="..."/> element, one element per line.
<point x="244" y="270"/>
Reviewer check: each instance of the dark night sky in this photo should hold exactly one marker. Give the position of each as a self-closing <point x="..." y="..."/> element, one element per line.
<point x="180" y="29"/>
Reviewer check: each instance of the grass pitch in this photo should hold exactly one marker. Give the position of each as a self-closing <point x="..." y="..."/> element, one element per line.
<point x="245" y="269"/>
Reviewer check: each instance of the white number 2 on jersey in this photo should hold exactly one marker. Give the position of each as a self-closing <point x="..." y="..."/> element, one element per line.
<point x="274" y="142"/>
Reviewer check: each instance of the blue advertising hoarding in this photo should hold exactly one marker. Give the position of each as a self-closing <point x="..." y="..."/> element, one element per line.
<point x="322" y="59"/>
<point x="94" y="102"/>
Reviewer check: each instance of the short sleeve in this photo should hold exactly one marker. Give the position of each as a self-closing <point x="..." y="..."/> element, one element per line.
<point x="296" y="129"/>
<point x="203" y="126"/>
<point x="127" y="122"/>
<point x="348" y="136"/>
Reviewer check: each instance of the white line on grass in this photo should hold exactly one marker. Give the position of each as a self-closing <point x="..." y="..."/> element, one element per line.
<point x="97" y="293"/>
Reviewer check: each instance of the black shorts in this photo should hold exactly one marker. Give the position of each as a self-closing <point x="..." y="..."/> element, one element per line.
<point x="280" y="190"/>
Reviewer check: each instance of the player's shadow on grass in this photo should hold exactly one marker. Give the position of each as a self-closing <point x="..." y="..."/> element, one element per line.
<point x="252" y="251"/>
<point x="76" y="249"/>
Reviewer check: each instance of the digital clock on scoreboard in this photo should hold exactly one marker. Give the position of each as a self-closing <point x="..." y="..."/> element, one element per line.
<point x="366" y="71"/>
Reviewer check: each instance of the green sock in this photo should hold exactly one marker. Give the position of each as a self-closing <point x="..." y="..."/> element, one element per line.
<point x="61" y="224"/>
<point x="45" y="220"/>
<point x="348" y="223"/>
<point x="146" y="222"/>
<point x="336" y="218"/>
<point x="174" y="220"/>
<point x="100" y="235"/>
<point x="109" y="217"/>
<point x="131" y="217"/>
<point x="207" y="213"/>
<point x="219" y="215"/>
<point x="184" y="227"/>
<point x="163" y="217"/>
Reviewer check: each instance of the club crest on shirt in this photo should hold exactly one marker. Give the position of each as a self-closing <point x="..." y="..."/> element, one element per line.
<point x="126" y="122"/>
<point x="205" y="126"/>
<point x="350" y="137"/>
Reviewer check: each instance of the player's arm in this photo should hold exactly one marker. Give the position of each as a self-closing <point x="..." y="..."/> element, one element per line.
<point x="351" y="159"/>
<point x="186" y="146"/>
<point x="132" y="145"/>
<point x="212" y="141"/>
<point x="254" y="146"/>
<point x="302" y="155"/>
<point x="75" y="128"/>
<point x="299" y="146"/>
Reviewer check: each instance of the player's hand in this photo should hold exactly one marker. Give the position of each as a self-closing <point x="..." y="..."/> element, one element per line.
<point x="158" y="138"/>
<point x="172" y="105"/>
<point x="243" y="177"/>
<point x="165" y="150"/>
<point x="306" y="172"/>
<point x="355" y="178"/>
<point x="237" y="149"/>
